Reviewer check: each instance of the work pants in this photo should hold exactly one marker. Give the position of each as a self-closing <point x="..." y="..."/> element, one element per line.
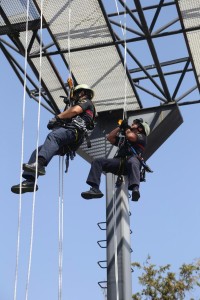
<point x="53" y="144"/>
<point x="132" y="168"/>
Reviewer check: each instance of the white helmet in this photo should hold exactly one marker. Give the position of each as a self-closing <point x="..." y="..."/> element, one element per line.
<point x="144" y="125"/>
<point x="84" y="87"/>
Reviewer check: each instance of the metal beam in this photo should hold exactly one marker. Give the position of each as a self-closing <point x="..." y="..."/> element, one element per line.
<point x="152" y="49"/>
<point x="144" y="8"/>
<point x="163" y="64"/>
<point x="118" y="241"/>
<point x="137" y="79"/>
<point x="158" y="9"/>
<point x="20" y="27"/>
<point x="119" y="42"/>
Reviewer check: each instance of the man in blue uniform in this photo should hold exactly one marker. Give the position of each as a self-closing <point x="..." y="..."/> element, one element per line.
<point x="127" y="161"/>
<point x="68" y="132"/>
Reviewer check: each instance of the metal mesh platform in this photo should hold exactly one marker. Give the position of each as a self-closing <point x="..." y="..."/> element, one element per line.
<point x="190" y="12"/>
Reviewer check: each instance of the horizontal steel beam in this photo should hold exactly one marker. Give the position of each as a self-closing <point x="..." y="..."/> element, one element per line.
<point x="20" y="27"/>
<point x="119" y="42"/>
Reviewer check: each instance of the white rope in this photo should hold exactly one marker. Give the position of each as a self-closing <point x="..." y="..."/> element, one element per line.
<point x="125" y="63"/>
<point x="60" y="225"/>
<point x="22" y="155"/>
<point x="68" y="39"/>
<point x="125" y="55"/>
<point x="115" y="236"/>
<point x="36" y="174"/>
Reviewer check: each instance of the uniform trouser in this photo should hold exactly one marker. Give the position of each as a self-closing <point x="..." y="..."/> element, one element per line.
<point x="54" y="142"/>
<point x="132" y="168"/>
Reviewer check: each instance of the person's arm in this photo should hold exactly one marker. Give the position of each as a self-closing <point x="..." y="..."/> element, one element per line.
<point x="111" y="137"/>
<point x="131" y="136"/>
<point x="71" y="112"/>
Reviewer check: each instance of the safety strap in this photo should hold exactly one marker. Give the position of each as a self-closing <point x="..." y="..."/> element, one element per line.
<point x="141" y="159"/>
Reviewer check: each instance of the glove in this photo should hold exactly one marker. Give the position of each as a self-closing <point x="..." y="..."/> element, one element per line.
<point x="54" y="122"/>
<point x="124" y="125"/>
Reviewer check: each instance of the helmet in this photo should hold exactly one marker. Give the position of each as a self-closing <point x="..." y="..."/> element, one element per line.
<point x="144" y="125"/>
<point x="84" y="87"/>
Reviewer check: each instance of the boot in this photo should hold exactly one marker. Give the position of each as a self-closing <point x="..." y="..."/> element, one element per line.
<point x="26" y="186"/>
<point x="135" y="194"/>
<point x="92" y="193"/>
<point x="32" y="168"/>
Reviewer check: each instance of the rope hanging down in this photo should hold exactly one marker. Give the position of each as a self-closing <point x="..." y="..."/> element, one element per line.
<point x="61" y="180"/>
<point x="68" y="39"/>
<point x="123" y="29"/>
<point x="115" y="236"/>
<point x="37" y="145"/>
<point x="113" y="177"/>
<point x="22" y="154"/>
<point x="60" y="225"/>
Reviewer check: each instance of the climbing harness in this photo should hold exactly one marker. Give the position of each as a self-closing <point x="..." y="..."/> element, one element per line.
<point x="141" y="159"/>
<point x="144" y="167"/>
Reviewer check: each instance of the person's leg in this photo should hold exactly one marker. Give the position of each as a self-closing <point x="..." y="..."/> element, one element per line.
<point x="54" y="141"/>
<point x="94" y="177"/>
<point x="28" y="184"/>
<point x="133" y="170"/>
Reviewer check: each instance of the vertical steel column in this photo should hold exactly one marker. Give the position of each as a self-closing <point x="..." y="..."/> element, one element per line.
<point x="120" y="241"/>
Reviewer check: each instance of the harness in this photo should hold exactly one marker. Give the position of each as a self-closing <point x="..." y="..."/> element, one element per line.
<point x="80" y="133"/>
<point x="81" y="128"/>
<point x="144" y="167"/>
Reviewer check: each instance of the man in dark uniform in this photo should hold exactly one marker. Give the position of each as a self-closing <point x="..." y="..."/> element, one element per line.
<point x="131" y="145"/>
<point x="69" y="129"/>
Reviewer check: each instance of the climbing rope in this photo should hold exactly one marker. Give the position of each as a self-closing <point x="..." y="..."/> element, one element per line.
<point x="68" y="39"/>
<point x="114" y="209"/>
<point x="22" y="154"/>
<point x="60" y="224"/>
<point x="113" y="176"/>
<point x="123" y="29"/>
<point x="37" y="145"/>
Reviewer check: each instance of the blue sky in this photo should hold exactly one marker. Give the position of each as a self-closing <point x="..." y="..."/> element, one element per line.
<point x="165" y="222"/>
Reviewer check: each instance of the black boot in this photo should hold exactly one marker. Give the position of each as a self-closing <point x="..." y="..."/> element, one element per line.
<point x="32" y="168"/>
<point x="135" y="193"/>
<point x="26" y="186"/>
<point x="92" y="193"/>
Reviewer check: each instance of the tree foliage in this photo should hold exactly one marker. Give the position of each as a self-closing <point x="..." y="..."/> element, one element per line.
<point x="159" y="283"/>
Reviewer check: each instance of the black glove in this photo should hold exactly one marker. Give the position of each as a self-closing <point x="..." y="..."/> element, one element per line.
<point x="124" y="125"/>
<point x="54" y="122"/>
